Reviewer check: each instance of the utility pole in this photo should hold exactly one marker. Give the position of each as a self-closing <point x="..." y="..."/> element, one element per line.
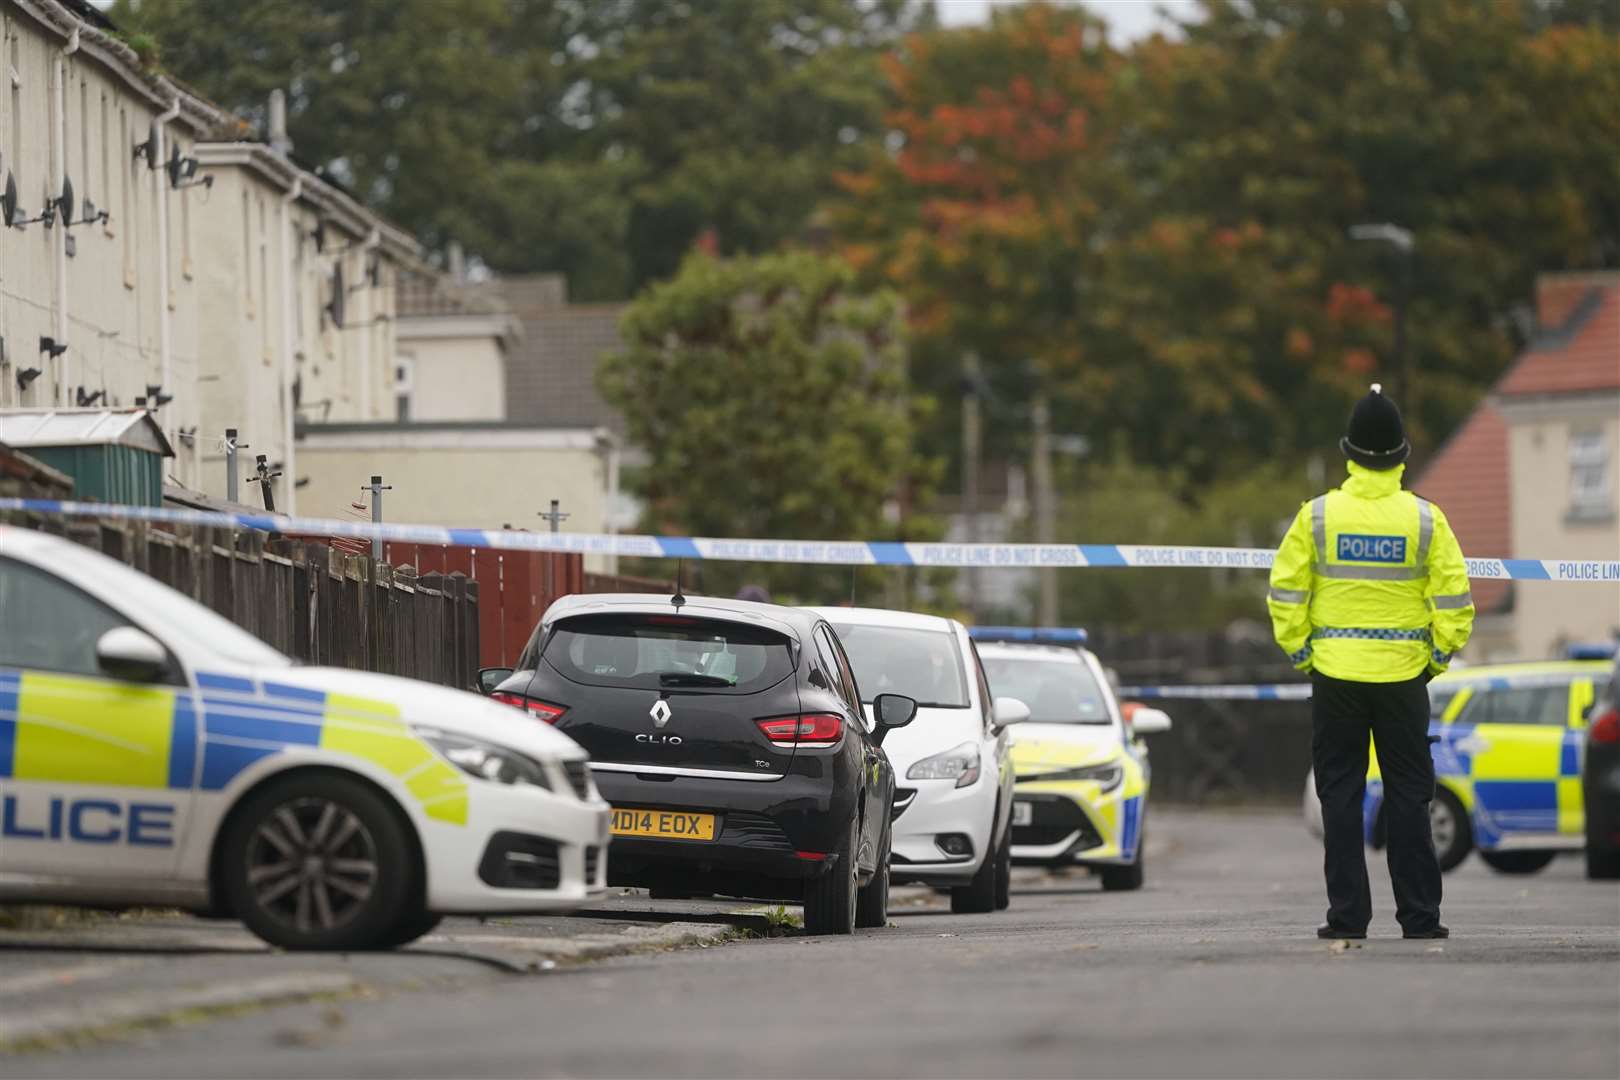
<point x="972" y="448"/>
<point x="555" y="516"/>
<point x="376" y="487"/>
<point x="1045" y="510"/>
<point x="232" y="480"/>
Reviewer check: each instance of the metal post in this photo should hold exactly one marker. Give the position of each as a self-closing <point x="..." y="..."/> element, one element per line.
<point x="263" y="478"/>
<point x="972" y="448"/>
<point x="232" y="479"/>
<point x="1045" y="511"/>
<point x="555" y="516"/>
<point x="377" y="487"/>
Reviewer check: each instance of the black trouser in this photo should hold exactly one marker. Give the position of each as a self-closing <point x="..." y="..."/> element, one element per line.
<point x="1396" y="715"/>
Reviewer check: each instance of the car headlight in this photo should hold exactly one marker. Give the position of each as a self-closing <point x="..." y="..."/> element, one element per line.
<point x="1110" y="775"/>
<point x="486" y="761"/>
<point x="960" y="764"/>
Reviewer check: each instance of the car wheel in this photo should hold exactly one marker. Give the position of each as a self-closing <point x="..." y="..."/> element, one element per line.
<point x="979" y="895"/>
<point x="872" y="906"/>
<point x="1453" y="835"/>
<point x="409" y="929"/>
<point x="829" y="900"/>
<point x="1124" y="878"/>
<point x="1004" y="874"/>
<point x="1602" y="865"/>
<point x="319" y="861"/>
<point x="1517" y="862"/>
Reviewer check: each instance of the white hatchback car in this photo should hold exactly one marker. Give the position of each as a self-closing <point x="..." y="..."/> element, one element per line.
<point x="953" y="800"/>
<point x="152" y="752"/>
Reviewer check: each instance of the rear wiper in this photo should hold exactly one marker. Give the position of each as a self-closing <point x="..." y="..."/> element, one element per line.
<point x="689" y="678"/>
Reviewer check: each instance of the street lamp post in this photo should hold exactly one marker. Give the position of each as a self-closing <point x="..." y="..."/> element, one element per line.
<point x="1401" y="240"/>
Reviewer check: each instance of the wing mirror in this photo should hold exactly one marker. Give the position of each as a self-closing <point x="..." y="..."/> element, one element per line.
<point x="1147" y="721"/>
<point x="132" y="655"/>
<point x="1008" y="711"/>
<point x="490" y="678"/>
<point x="894" y="710"/>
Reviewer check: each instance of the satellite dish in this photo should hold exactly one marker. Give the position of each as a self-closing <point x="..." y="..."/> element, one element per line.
<point x="335" y="307"/>
<point x="320" y="234"/>
<point x="8" y="201"/>
<point x="175" y="167"/>
<point x="151" y="149"/>
<point x="65" y="203"/>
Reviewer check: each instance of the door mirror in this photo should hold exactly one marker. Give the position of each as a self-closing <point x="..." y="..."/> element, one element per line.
<point x="1008" y="711"/>
<point x="132" y="655"/>
<point x="894" y="710"/>
<point x="491" y="677"/>
<point x="1146" y="721"/>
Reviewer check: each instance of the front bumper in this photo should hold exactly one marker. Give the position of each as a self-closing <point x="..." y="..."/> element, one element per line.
<point x="938" y="808"/>
<point x="562" y="845"/>
<point x="1075" y="822"/>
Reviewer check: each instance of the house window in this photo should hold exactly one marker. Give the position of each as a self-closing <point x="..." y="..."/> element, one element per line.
<point x="1589" y="486"/>
<point x="404" y="386"/>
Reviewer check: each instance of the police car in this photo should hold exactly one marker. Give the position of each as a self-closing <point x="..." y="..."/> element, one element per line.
<point x="153" y="753"/>
<point x="1082" y="770"/>
<point x="1507" y="741"/>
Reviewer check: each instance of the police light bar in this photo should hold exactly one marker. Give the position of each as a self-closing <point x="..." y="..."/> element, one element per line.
<point x="1033" y="635"/>
<point x="1591" y="651"/>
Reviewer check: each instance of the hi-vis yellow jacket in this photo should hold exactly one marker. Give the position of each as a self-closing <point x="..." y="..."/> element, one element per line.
<point x="1369" y="584"/>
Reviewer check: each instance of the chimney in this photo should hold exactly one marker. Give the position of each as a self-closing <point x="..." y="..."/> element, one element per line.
<point x="458" y="262"/>
<point x="279" y="141"/>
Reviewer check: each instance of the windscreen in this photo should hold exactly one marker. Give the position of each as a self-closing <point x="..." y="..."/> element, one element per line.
<point x="1056" y="691"/>
<point x="662" y="652"/>
<point x="921" y="664"/>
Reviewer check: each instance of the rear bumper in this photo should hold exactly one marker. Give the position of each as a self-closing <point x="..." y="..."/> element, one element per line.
<point x="761" y="829"/>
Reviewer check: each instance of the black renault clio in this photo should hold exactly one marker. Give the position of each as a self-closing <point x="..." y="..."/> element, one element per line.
<point x="730" y="739"/>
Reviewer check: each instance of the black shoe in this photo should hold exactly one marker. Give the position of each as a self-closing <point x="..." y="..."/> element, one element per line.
<point x="1334" y="933"/>
<point x="1435" y="931"/>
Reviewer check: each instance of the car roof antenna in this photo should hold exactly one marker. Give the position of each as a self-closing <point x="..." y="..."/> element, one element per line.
<point x="678" y="600"/>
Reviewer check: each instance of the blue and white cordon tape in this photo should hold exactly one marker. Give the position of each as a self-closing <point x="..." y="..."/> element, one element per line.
<point x="823" y="552"/>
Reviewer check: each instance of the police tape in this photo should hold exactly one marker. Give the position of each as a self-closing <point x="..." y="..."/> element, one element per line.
<point x="820" y="552"/>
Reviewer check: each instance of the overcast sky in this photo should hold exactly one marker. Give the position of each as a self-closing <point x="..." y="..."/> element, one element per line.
<point x="1127" y="19"/>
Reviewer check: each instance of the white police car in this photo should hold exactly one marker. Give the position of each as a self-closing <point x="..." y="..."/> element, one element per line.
<point x="153" y="753"/>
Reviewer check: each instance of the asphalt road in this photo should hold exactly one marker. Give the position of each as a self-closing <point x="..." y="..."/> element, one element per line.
<point x="1212" y="970"/>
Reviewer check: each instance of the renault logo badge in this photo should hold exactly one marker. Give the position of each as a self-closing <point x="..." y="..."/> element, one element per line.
<point x="660" y="713"/>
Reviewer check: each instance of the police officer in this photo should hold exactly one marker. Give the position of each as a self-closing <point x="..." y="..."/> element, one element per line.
<point x="1369" y="594"/>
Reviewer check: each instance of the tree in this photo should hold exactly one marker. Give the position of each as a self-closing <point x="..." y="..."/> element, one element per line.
<point x="769" y="395"/>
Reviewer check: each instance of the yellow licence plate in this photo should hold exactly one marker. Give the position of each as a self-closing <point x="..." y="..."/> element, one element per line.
<point x="667" y="824"/>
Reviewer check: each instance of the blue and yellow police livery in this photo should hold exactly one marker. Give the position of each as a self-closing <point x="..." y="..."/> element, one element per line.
<point x="1082" y="771"/>
<point x="153" y="753"/>
<point x="1507" y="741"/>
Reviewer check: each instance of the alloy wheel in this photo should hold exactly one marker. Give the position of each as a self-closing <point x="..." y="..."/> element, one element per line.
<point x="312" y="864"/>
<point x="1443" y="823"/>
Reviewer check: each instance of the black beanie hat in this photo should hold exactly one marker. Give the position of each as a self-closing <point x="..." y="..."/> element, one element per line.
<point x="1376" y="437"/>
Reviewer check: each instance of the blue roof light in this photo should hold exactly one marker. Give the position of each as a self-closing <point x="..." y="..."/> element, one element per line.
<point x="1591" y="651"/>
<point x="1035" y="635"/>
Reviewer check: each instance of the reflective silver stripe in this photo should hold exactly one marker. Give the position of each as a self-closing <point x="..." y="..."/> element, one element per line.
<point x="1319" y="525"/>
<point x="1425" y="530"/>
<point x="1289" y="596"/>
<point x="1454" y="601"/>
<point x="1371" y="573"/>
<point x="671" y="770"/>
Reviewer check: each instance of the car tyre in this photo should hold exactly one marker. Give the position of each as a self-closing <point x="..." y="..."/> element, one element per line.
<point x="408" y="929"/>
<point x="1124" y="878"/>
<point x="872" y="906"/>
<point x="829" y="900"/>
<point x="978" y="896"/>
<point x="1453" y="833"/>
<point x="1004" y="874"/>
<point x="1602" y="865"/>
<point x="319" y="861"/>
<point x="1517" y="862"/>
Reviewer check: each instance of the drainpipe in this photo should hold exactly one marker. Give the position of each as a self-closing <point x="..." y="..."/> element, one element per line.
<point x="289" y="239"/>
<point x="165" y="369"/>
<point x="366" y="327"/>
<point x="63" y="394"/>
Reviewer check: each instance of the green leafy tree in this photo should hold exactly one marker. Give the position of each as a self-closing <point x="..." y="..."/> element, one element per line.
<point x="770" y="396"/>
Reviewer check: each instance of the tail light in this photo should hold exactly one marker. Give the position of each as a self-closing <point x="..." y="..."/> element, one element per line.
<point x="1606" y="728"/>
<point x="807" y="729"/>
<point x="540" y="710"/>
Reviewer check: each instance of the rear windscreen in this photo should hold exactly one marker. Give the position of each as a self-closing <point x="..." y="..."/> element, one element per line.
<point x="664" y="652"/>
